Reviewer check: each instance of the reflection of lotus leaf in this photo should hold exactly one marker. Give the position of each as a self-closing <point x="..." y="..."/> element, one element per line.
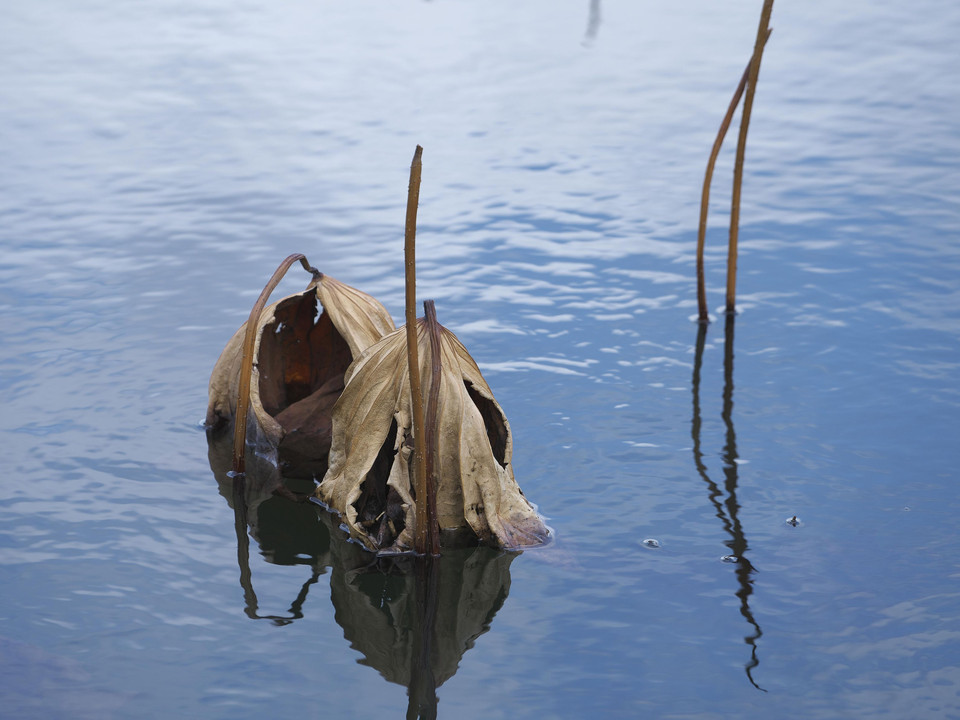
<point x="286" y="531"/>
<point x="380" y="607"/>
<point x="300" y="360"/>
<point x="262" y="477"/>
<point x="412" y="618"/>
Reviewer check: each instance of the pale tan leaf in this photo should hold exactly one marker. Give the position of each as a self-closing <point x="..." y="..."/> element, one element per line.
<point x="300" y="361"/>
<point x="369" y="479"/>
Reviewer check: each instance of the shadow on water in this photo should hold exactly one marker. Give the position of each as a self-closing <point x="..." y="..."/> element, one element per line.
<point x="411" y="618"/>
<point x="724" y="500"/>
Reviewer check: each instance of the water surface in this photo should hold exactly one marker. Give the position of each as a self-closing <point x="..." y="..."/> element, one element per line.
<point x="160" y="159"/>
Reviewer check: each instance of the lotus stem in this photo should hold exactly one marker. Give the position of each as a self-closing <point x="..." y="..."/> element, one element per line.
<point x="431" y="424"/>
<point x="246" y="363"/>
<point x="762" y="34"/>
<point x="705" y="196"/>
<point x="421" y="533"/>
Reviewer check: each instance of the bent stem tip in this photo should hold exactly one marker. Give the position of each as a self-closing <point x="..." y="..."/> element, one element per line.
<point x="246" y="363"/>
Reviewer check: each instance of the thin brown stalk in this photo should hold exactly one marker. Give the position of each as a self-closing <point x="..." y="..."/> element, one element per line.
<point x="704" y="316"/>
<point x="762" y="34"/>
<point x="246" y="364"/>
<point x="705" y="196"/>
<point x="421" y="533"/>
<point x="431" y="424"/>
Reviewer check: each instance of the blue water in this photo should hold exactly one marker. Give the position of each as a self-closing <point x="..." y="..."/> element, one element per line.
<point x="158" y="160"/>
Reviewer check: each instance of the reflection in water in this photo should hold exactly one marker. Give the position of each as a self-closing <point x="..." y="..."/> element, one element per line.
<point x="414" y="618"/>
<point x="287" y="532"/>
<point x="243" y="558"/>
<point x="411" y="618"/>
<point x="593" y="22"/>
<point x="727" y="509"/>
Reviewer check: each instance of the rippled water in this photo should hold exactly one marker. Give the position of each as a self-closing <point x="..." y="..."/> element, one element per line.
<point x="158" y="159"/>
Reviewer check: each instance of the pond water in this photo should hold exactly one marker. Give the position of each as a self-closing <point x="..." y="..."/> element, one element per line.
<point x="157" y="161"/>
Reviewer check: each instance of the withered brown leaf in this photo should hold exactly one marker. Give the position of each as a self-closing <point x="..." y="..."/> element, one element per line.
<point x="300" y="359"/>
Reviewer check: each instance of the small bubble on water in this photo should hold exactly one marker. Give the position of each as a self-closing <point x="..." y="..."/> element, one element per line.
<point x="730" y="559"/>
<point x="651" y="543"/>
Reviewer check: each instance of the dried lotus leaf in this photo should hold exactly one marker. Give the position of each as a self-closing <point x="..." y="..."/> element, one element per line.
<point x="369" y="477"/>
<point x="300" y="357"/>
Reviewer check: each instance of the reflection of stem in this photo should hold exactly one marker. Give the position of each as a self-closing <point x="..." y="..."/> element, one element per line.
<point x="715" y="491"/>
<point x="728" y="510"/>
<point x="738" y="541"/>
<point x="243" y="559"/>
<point x="296" y="608"/>
<point x="243" y="544"/>
<point x="593" y="21"/>
<point x="423" y="683"/>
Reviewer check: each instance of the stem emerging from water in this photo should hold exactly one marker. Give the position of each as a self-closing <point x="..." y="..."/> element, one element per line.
<point x="432" y="427"/>
<point x="705" y="196"/>
<point x="762" y="33"/>
<point x="420" y="538"/>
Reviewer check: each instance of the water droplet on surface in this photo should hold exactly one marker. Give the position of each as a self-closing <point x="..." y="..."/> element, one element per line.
<point x="651" y="543"/>
<point x="730" y="559"/>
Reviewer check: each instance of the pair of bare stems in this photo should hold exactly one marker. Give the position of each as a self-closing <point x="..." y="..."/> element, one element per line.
<point x="749" y="82"/>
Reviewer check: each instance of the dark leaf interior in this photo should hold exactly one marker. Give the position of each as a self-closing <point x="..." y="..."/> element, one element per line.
<point x="379" y="507"/>
<point x="302" y="361"/>
<point x="494" y="423"/>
